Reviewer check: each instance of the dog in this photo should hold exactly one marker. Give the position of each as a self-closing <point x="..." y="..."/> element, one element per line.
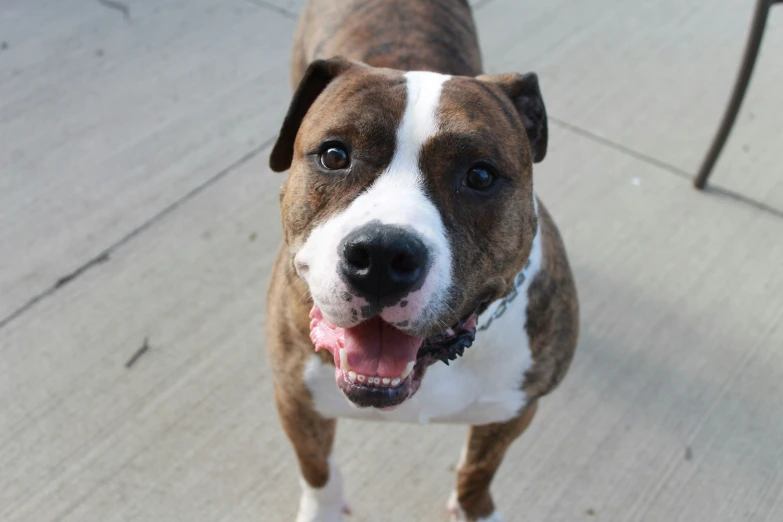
<point x="420" y="279"/>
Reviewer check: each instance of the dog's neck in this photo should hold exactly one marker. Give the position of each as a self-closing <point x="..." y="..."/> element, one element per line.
<point x="521" y="282"/>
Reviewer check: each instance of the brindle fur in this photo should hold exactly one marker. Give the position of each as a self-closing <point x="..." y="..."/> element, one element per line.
<point x="552" y="314"/>
<point x="411" y="35"/>
<point x="484" y="451"/>
<point x="435" y="35"/>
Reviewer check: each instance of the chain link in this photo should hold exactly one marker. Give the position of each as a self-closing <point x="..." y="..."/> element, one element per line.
<point x="503" y="306"/>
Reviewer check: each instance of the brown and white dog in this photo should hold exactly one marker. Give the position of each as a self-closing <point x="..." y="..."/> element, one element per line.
<point x="411" y="231"/>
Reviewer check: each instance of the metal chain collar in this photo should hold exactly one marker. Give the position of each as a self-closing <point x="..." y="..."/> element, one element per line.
<point x="503" y="306"/>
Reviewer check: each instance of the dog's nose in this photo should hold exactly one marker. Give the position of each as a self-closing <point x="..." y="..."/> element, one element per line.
<point x="383" y="263"/>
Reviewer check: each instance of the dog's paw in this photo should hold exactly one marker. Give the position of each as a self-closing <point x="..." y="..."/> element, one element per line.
<point x="325" y="504"/>
<point x="312" y="512"/>
<point x="457" y="514"/>
<point x="312" y="509"/>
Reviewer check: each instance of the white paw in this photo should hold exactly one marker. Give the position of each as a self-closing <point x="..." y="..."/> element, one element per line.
<point x="325" y="504"/>
<point x="313" y="512"/>
<point x="457" y="514"/>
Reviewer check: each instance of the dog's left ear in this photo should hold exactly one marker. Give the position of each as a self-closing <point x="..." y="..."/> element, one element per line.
<point x="315" y="79"/>
<point x="526" y="96"/>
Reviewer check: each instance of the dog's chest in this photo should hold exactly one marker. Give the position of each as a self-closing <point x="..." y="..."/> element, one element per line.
<point x="483" y="386"/>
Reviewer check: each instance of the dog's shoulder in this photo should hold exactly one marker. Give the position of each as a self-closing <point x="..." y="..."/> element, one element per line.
<point x="552" y="314"/>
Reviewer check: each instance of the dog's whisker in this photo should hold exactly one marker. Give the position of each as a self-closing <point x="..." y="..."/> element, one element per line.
<point x="292" y="283"/>
<point x="304" y="295"/>
<point x="444" y="324"/>
<point x="453" y="312"/>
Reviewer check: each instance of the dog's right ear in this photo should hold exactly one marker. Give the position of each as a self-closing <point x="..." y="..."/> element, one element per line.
<point x="315" y="79"/>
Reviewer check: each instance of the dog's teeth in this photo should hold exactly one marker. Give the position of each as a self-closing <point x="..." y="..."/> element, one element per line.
<point x="375" y="381"/>
<point x="408" y="369"/>
<point x="344" y="360"/>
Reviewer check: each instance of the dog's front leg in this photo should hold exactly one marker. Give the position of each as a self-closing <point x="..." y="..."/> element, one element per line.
<point x="312" y="437"/>
<point x="471" y="501"/>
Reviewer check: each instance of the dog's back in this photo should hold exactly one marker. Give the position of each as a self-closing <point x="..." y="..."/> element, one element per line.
<point x="437" y="35"/>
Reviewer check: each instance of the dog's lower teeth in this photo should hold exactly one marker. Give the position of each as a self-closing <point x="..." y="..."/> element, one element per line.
<point x="374" y="381"/>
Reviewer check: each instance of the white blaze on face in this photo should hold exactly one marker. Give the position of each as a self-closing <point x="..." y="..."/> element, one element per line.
<point x="397" y="197"/>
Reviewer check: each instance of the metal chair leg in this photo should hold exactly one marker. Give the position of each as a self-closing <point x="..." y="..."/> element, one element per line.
<point x="738" y="94"/>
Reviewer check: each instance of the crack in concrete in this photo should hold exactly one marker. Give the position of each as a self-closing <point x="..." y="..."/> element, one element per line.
<point x="667" y="167"/>
<point x="277" y="9"/>
<point x="621" y="148"/>
<point x="117" y="6"/>
<point x="481" y="3"/>
<point x="105" y="255"/>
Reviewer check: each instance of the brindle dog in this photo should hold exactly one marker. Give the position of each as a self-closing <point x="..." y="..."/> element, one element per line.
<point x="411" y="232"/>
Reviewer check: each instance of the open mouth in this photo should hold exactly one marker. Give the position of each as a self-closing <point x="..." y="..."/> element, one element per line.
<point x="377" y="365"/>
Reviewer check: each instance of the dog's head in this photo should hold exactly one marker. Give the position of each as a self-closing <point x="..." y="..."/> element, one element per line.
<point x="408" y="208"/>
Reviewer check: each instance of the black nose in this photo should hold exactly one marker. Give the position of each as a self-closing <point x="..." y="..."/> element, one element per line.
<point x="383" y="263"/>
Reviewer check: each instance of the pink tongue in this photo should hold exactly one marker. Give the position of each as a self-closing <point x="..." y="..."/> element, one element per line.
<point x="374" y="347"/>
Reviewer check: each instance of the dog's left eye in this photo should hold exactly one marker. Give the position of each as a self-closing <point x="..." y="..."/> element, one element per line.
<point x="480" y="177"/>
<point x="335" y="157"/>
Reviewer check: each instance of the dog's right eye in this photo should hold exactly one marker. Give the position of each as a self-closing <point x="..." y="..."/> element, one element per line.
<point x="481" y="177"/>
<point x="335" y="157"/>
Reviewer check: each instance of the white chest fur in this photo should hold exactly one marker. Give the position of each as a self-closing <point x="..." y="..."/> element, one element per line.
<point x="483" y="386"/>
